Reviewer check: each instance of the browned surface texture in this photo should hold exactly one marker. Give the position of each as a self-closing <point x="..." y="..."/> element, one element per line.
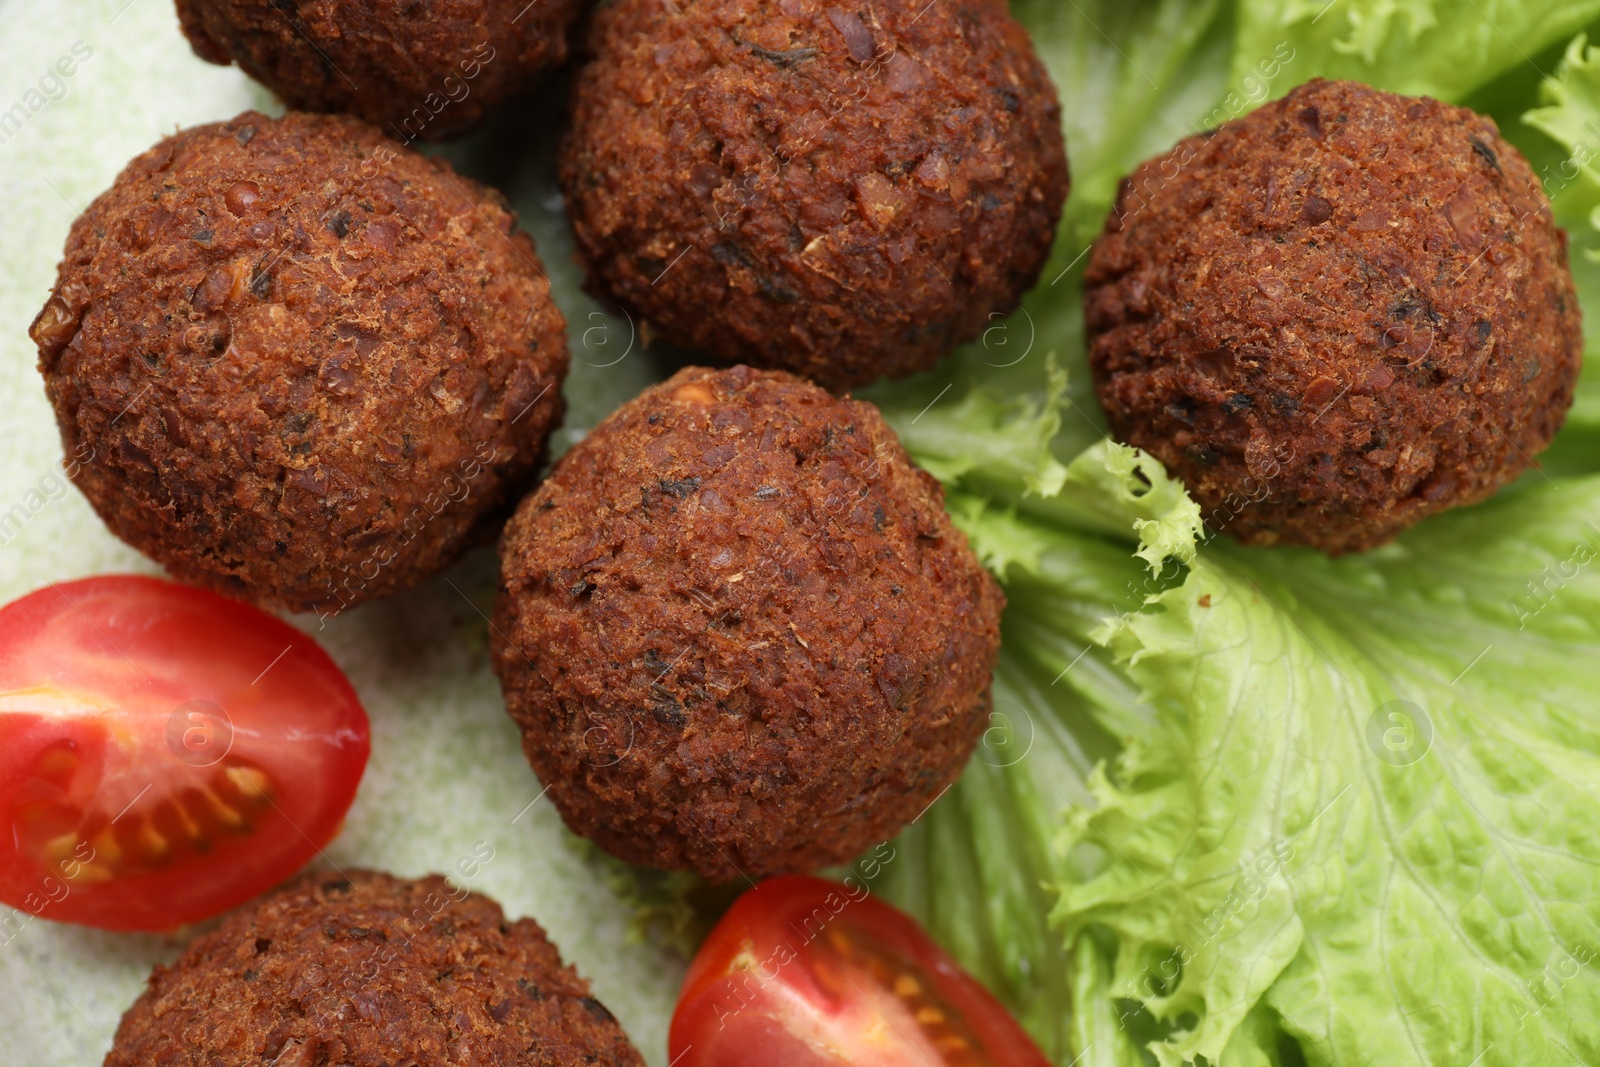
<point x="845" y="190"/>
<point x="738" y="630"/>
<point x="1333" y="317"/>
<point x="299" y="363"/>
<point x="419" y="68"/>
<point x="368" y="970"/>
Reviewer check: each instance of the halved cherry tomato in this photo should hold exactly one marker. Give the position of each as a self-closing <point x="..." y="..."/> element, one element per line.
<point x="803" y="972"/>
<point x="165" y="753"/>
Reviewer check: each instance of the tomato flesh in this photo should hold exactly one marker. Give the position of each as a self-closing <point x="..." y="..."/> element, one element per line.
<point x="165" y="753"/>
<point x="803" y="972"/>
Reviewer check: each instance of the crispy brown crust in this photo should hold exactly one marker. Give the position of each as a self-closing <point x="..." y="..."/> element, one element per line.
<point x="417" y="68"/>
<point x="1335" y="316"/>
<point x="298" y="363"/>
<point x="926" y="203"/>
<point x="738" y="630"/>
<point x="367" y="970"/>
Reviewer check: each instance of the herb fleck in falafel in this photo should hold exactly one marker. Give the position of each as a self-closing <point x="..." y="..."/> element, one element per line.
<point x="420" y="70"/>
<point x="1335" y="316"/>
<point x="366" y="969"/>
<point x="738" y="630"/>
<point x="841" y="190"/>
<point x="298" y="363"/>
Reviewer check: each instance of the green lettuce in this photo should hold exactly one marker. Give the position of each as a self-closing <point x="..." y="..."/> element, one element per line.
<point x="1441" y="48"/>
<point x="1291" y="809"/>
<point x="1569" y="117"/>
<point x="1380" y="829"/>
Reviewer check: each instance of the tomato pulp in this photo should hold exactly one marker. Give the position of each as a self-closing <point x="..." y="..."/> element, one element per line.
<point x="165" y="753"/>
<point x="803" y="972"/>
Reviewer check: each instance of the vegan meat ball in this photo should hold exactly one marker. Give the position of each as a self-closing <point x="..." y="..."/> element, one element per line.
<point x="840" y="190"/>
<point x="1339" y="314"/>
<point x="299" y="364"/>
<point x="424" y="70"/>
<point x="739" y="632"/>
<point x="367" y="970"/>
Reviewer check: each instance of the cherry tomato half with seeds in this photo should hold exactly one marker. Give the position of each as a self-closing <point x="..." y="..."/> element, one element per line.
<point x="803" y="972"/>
<point x="165" y="753"/>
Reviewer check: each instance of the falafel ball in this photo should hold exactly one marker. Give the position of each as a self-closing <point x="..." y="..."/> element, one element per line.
<point x="299" y="364"/>
<point x="420" y="70"/>
<point x="842" y="191"/>
<point x="1339" y="314"/>
<point x="738" y="630"/>
<point x="364" y="969"/>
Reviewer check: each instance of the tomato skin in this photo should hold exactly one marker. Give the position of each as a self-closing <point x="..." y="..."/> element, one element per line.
<point x="803" y="972"/>
<point x="165" y="753"/>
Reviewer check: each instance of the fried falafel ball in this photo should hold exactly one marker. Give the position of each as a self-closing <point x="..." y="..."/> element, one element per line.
<point x="367" y="970"/>
<point x="299" y="364"/>
<point x="420" y="70"/>
<point x="843" y="191"/>
<point x="1335" y="316"/>
<point x="738" y="630"/>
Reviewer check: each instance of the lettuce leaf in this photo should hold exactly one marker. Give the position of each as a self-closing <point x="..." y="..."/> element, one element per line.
<point x="1374" y="827"/>
<point x="1442" y="48"/>
<point x="1294" y="809"/>
<point x="1569" y="116"/>
<point x="1132" y="78"/>
<point x="1569" y="113"/>
<point x="983" y="435"/>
